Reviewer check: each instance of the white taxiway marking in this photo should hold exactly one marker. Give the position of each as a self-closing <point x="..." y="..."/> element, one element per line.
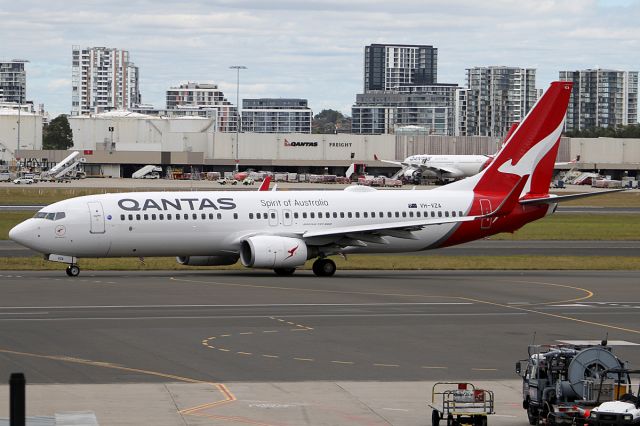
<point x="597" y="342"/>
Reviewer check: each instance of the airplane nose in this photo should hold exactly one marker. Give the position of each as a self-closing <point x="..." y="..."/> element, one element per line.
<point x="20" y="233"/>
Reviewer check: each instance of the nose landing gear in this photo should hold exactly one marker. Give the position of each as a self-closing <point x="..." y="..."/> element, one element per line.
<point x="73" y="270"/>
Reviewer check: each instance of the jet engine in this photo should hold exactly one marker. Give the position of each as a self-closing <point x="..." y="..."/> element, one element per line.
<point x="207" y="260"/>
<point x="268" y="251"/>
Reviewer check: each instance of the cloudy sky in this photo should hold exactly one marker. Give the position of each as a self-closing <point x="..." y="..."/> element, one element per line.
<point x="310" y="49"/>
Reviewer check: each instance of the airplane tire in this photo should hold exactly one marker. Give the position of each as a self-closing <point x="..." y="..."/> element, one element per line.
<point x="324" y="267"/>
<point x="284" y="272"/>
<point x="73" y="270"/>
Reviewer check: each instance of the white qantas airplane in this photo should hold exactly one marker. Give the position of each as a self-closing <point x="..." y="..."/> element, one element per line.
<point x="282" y="230"/>
<point x="444" y="167"/>
<point x="441" y="166"/>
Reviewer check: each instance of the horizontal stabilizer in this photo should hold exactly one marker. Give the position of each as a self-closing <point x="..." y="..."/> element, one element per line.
<point x="551" y="199"/>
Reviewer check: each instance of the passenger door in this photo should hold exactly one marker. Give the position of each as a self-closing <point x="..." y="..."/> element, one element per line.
<point x="96" y="215"/>
<point x="485" y="208"/>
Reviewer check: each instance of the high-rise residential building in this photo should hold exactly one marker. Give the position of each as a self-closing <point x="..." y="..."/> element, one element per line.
<point x="601" y="98"/>
<point x="103" y="79"/>
<point x="13" y="81"/>
<point x="204" y="100"/>
<point x="431" y="107"/>
<point x="276" y="115"/>
<point x="390" y="66"/>
<point x="401" y="89"/>
<point x="496" y="97"/>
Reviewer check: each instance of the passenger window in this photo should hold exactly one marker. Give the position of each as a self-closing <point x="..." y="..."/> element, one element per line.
<point x="349" y="215"/>
<point x="161" y="217"/>
<point x="258" y="216"/>
<point x="404" y="214"/>
<point x="286" y="215"/>
<point x="235" y="215"/>
<point x="410" y="214"/>
<point x="273" y="215"/>
<point x="335" y="215"/>
<point x="304" y="215"/>
<point x="153" y="217"/>
<point x="357" y="215"/>
<point x="446" y="213"/>
<point x="433" y="214"/>
<point x="195" y="216"/>
<point x="342" y="215"/>
<point x="130" y="217"/>
<point x="121" y="217"/>
<point x="460" y="212"/>
<point x="210" y="216"/>
<point x="169" y="217"/>
<point x="417" y="214"/>
<point x="219" y="216"/>
<point x="312" y="215"/>
<point x="146" y="216"/>
<point x="137" y="217"/>
<point x="373" y="214"/>
<point x="295" y="215"/>
<point x="439" y="214"/>
<point x="203" y="216"/>
<point x="250" y="215"/>
<point x="389" y="214"/>
<point x="365" y="215"/>
<point x="397" y="214"/>
<point x="186" y="216"/>
<point x="453" y="213"/>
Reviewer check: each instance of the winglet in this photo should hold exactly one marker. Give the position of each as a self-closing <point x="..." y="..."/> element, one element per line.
<point x="264" y="186"/>
<point x="511" y="200"/>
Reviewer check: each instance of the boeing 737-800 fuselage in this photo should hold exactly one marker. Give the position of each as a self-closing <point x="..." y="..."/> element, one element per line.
<point x="282" y="230"/>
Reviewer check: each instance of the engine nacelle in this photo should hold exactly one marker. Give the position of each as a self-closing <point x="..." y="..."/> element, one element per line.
<point x="413" y="174"/>
<point x="268" y="251"/>
<point x="207" y="260"/>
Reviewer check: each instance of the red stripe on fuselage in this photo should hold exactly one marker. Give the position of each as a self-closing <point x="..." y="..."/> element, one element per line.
<point x="516" y="219"/>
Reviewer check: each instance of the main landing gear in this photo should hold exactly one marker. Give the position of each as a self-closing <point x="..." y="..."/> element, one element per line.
<point x="324" y="267"/>
<point x="73" y="270"/>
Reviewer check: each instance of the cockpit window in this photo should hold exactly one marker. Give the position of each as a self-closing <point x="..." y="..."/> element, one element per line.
<point x="49" y="216"/>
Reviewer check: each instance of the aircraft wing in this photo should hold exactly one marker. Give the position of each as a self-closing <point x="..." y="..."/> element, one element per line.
<point x="397" y="163"/>
<point x="435" y="169"/>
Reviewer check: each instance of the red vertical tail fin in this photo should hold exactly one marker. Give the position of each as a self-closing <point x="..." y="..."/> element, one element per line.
<point x="531" y="149"/>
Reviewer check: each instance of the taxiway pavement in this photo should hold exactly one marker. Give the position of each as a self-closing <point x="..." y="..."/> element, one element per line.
<point x="361" y="347"/>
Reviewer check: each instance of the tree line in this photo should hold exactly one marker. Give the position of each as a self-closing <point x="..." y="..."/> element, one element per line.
<point x="630" y="131"/>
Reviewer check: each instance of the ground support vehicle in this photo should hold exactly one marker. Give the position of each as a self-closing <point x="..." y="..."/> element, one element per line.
<point x="460" y="403"/>
<point x="24" y="180"/>
<point x="560" y="382"/>
<point x="225" y="181"/>
<point x="625" y="408"/>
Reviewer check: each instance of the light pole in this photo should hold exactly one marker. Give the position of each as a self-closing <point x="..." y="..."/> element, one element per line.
<point x="237" y="68"/>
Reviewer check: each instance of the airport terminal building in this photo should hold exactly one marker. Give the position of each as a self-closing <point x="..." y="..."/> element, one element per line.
<point x="117" y="143"/>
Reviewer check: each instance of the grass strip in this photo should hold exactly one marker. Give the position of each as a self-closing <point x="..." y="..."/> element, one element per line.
<point x="359" y="262"/>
